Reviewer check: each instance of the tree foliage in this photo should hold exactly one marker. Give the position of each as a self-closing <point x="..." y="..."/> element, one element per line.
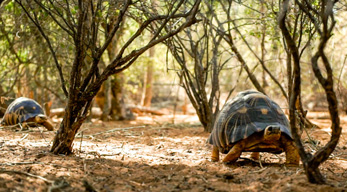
<point x="81" y="22"/>
<point x="285" y="49"/>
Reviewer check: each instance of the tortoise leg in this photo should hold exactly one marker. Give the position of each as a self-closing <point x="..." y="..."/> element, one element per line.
<point x="215" y="154"/>
<point x="234" y="153"/>
<point x="292" y="154"/>
<point x="23" y="126"/>
<point x="48" y="125"/>
<point x="255" y="155"/>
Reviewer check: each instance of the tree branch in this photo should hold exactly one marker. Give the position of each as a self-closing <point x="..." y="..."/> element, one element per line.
<point x="37" y="24"/>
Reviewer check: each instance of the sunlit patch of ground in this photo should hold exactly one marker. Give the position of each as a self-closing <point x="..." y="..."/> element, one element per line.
<point x="153" y="154"/>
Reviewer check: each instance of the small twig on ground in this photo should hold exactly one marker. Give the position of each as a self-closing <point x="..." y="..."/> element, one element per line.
<point x="27" y="174"/>
<point x="25" y="136"/>
<point x="260" y="164"/>
<point x="312" y="150"/>
<point x="310" y="139"/>
<point x="249" y="159"/>
<point x="328" y="168"/>
<point x="82" y="130"/>
<point x="298" y="171"/>
<point x="9" y="126"/>
<point x="98" y="154"/>
<point x="109" y="131"/>
<point x="19" y="125"/>
<point x="336" y="157"/>
<point x="81" y="142"/>
<point x="85" y="166"/>
<point x="95" y="153"/>
<point x="260" y="170"/>
<point x="203" y="178"/>
<point x="278" y="157"/>
<point x="284" y="167"/>
<point x="20" y="163"/>
<point x="41" y="131"/>
<point x="134" y="183"/>
<point x="255" y="161"/>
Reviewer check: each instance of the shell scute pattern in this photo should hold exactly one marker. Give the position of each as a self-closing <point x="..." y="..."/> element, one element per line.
<point x="20" y="110"/>
<point x="248" y="113"/>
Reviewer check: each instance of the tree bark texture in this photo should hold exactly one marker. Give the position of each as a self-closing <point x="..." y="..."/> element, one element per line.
<point x="85" y="76"/>
<point x="311" y="162"/>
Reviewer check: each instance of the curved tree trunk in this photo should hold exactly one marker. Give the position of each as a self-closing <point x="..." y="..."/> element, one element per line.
<point x="311" y="162"/>
<point x="76" y="112"/>
<point x="85" y="75"/>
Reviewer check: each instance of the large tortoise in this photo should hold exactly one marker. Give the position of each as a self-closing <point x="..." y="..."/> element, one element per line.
<point x="23" y="110"/>
<point x="252" y="122"/>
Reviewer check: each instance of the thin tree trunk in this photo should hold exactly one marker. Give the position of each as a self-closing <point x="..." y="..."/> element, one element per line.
<point x="149" y="79"/>
<point x="311" y="162"/>
<point x="84" y="28"/>
<point x="108" y="100"/>
<point x="115" y="94"/>
<point x="63" y="140"/>
<point x="118" y="105"/>
<point x="262" y="43"/>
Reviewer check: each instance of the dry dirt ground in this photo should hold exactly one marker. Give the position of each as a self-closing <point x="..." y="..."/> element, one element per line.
<point x="153" y="154"/>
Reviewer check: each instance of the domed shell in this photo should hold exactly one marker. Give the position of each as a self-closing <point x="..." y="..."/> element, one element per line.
<point x="20" y="110"/>
<point x="248" y="113"/>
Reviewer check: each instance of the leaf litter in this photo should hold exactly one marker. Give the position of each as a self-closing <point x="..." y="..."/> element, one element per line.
<point x="155" y="155"/>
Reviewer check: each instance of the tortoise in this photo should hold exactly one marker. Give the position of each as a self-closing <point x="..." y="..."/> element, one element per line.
<point x="23" y="110"/>
<point x="252" y="122"/>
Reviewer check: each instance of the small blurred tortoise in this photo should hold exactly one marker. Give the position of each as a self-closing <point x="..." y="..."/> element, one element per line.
<point x="252" y="122"/>
<point x="24" y="110"/>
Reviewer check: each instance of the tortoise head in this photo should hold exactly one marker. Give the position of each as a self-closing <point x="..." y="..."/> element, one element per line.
<point x="272" y="133"/>
<point x="40" y="118"/>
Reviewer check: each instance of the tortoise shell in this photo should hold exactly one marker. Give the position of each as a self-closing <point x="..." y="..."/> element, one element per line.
<point x="248" y="113"/>
<point x="21" y="110"/>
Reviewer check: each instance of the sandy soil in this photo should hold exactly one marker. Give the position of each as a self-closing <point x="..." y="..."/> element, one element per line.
<point x="153" y="154"/>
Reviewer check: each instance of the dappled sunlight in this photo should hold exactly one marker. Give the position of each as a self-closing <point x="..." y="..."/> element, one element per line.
<point x="189" y="119"/>
<point x="165" y="157"/>
<point x="133" y="89"/>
